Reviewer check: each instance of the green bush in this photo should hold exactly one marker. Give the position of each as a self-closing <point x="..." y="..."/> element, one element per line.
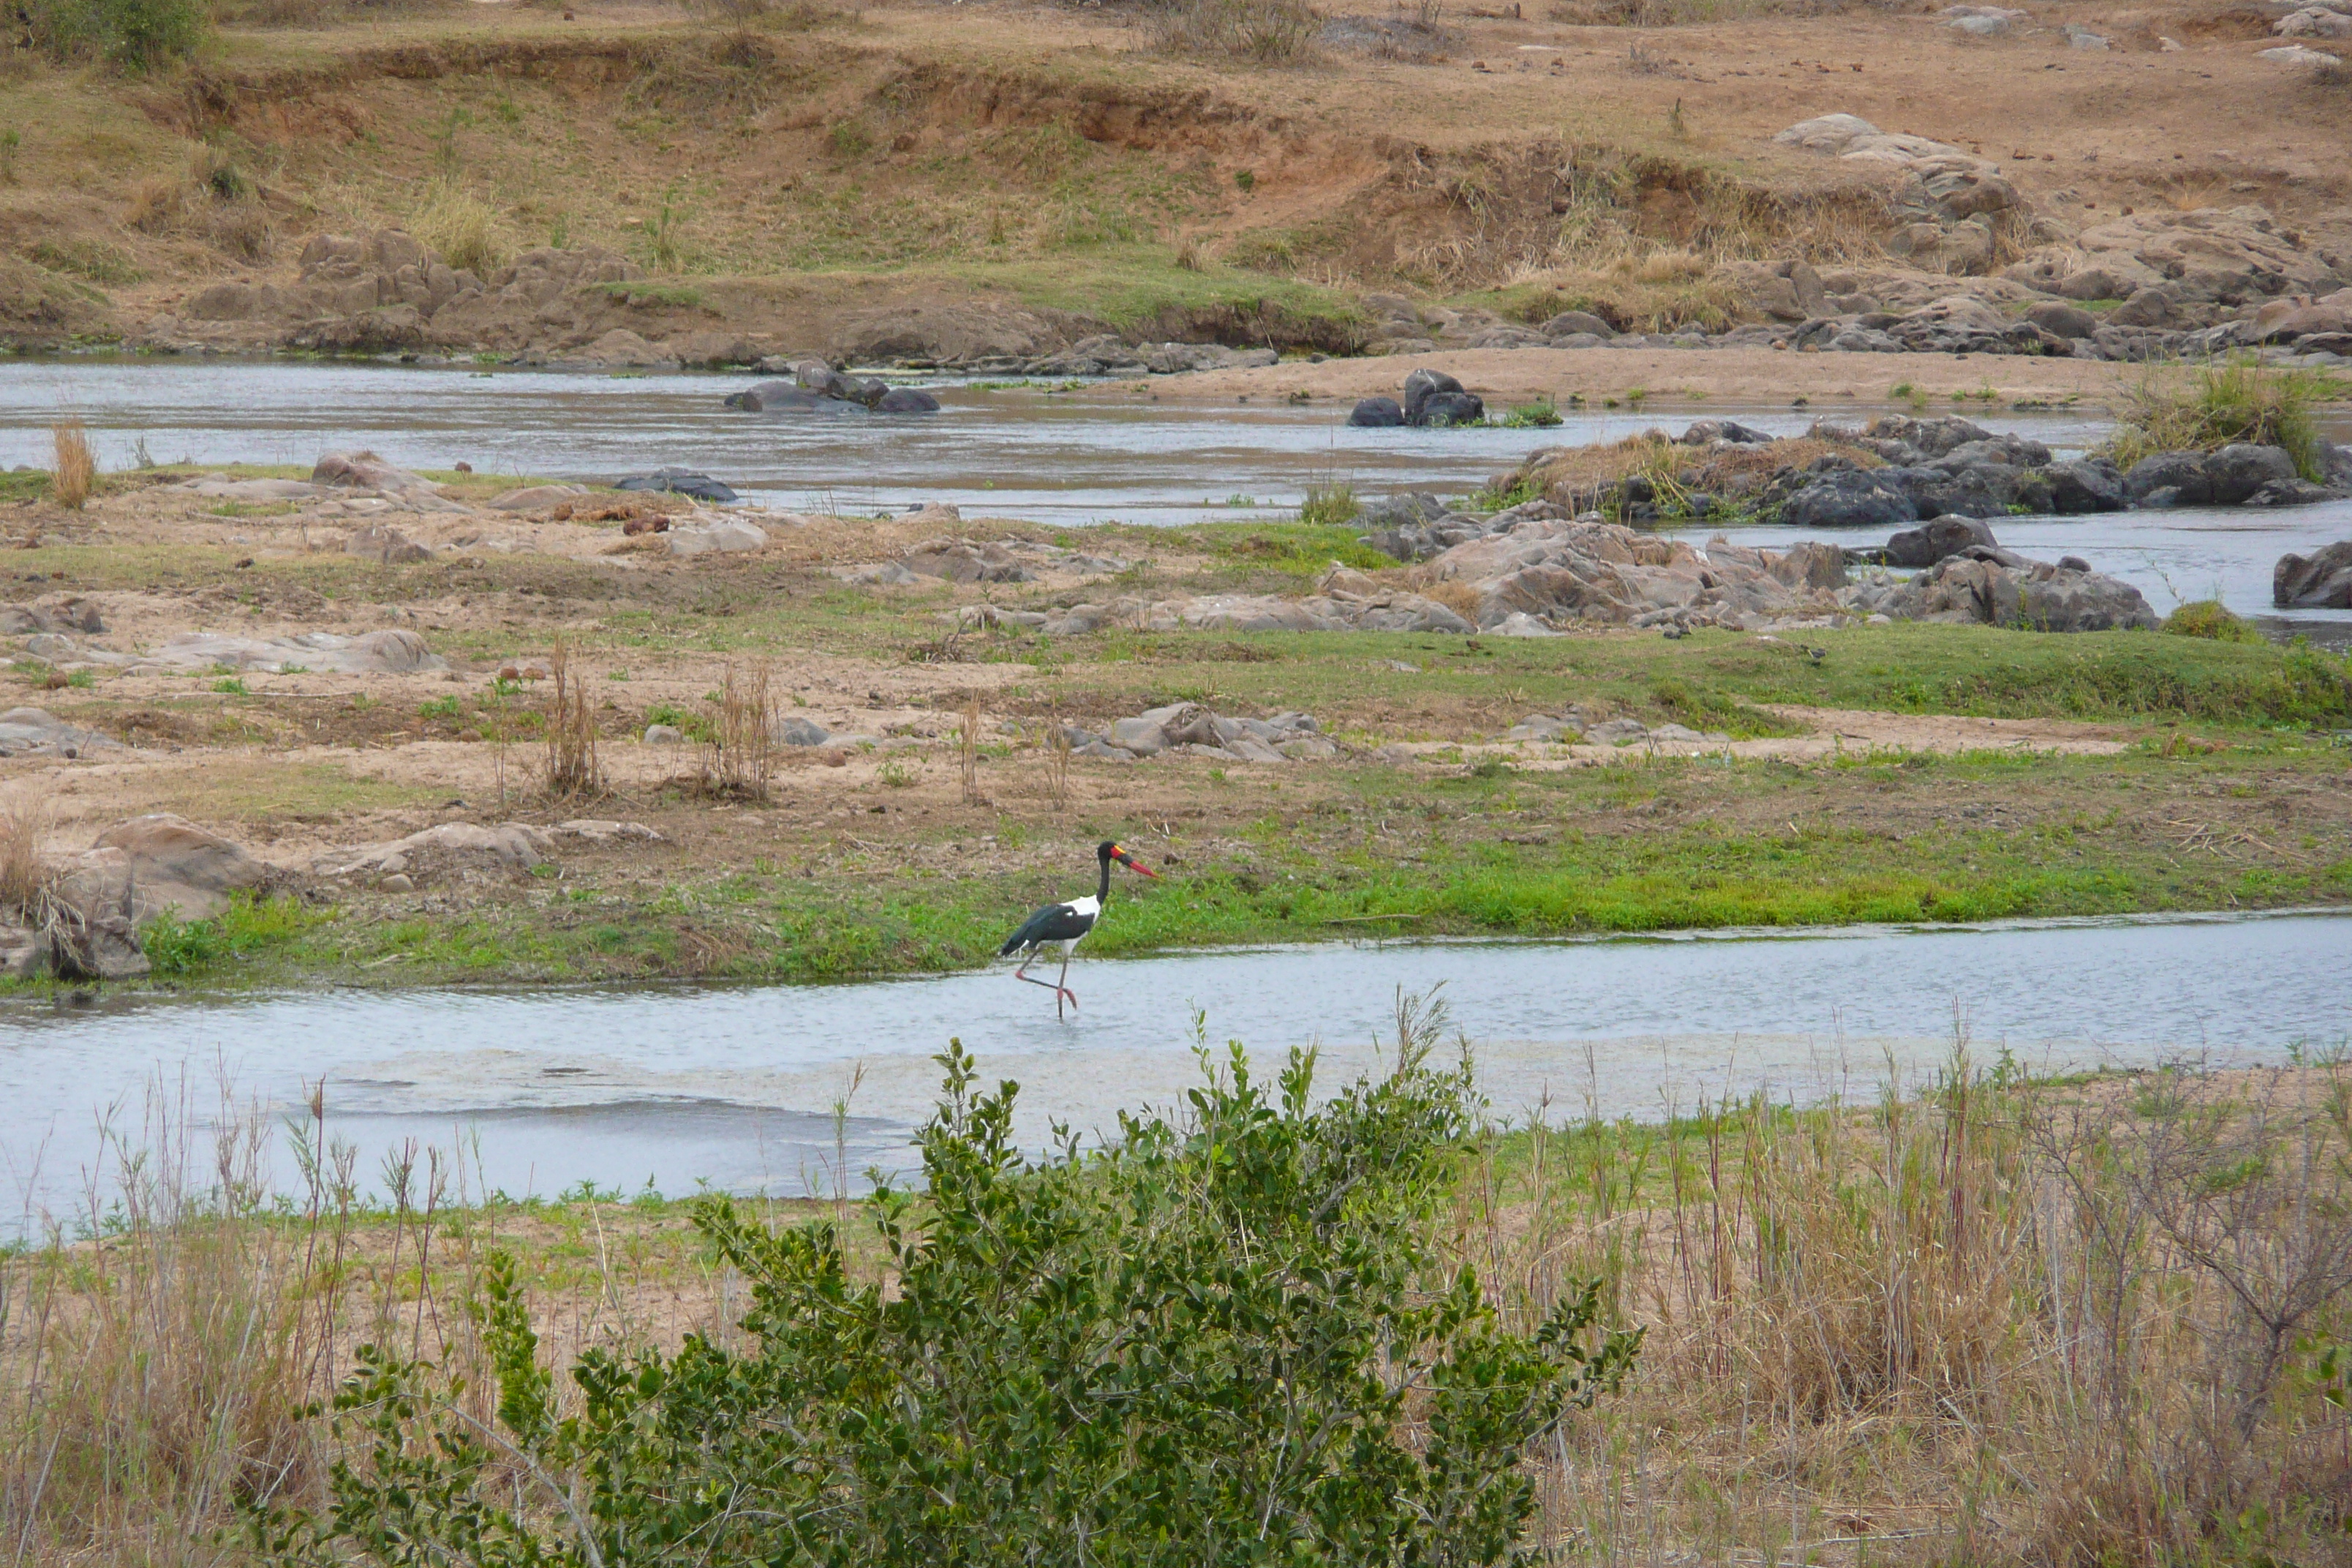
<point x="135" y="35"/>
<point x="2211" y="619"/>
<point x="1225" y="1340"/>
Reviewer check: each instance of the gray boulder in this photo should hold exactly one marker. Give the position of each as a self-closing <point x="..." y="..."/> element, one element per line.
<point x="797" y="731"/>
<point x="2085" y="485"/>
<point x="94" y="933"/>
<point x="906" y="400"/>
<point x="176" y="865"/>
<point x="774" y="397"/>
<point x="2065" y="598"/>
<point x="1706" y="432"/>
<point x="1569" y="322"/>
<point x="2317" y="581"/>
<point x="1377" y="412"/>
<point x="1447" y="408"/>
<point x="1936" y="539"/>
<point x="2062" y="319"/>
<point x="1421" y="386"/>
<point x="1850" y="498"/>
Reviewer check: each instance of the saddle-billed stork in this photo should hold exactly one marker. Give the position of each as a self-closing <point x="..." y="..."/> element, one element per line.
<point x="1066" y="923"/>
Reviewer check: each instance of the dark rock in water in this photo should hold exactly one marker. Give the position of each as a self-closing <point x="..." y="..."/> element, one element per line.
<point x="2317" y="581"/>
<point x="1982" y="490"/>
<point x="1934" y="540"/>
<point x="906" y="400"/>
<point x="1451" y="408"/>
<point x="1421" y="386"/>
<point x="2085" y="485"/>
<point x="2290" y="493"/>
<point x="680" y="482"/>
<point x="1377" y="412"/>
<point x="1848" y="497"/>
<point x="774" y="397"/>
<point x="2072" y="564"/>
<point x="868" y="391"/>
<point x="2229" y="477"/>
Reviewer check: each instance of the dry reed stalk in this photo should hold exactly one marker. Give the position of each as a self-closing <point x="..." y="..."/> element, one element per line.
<point x="75" y="466"/>
<point x="739" y="759"/>
<point x="1967" y="1324"/>
<point x="968" y="750"/>
<point x="572" y="766"/>
<point x="1056" y="750"/>
<point x="24" y="880"/>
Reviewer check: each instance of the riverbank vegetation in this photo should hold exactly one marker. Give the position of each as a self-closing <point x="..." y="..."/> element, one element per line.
<point x="1981" y="1319"/>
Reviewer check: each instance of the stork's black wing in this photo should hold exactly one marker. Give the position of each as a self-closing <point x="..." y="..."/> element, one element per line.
<point x="1055" y="922"/>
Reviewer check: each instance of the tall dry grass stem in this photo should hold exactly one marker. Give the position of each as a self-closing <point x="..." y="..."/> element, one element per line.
<point x="1056" y="757"/>
<point x="573" y="769"/>
<point x="738" y="757"/>
<point x="967" y="749"/>
<point x="74" y="467"/>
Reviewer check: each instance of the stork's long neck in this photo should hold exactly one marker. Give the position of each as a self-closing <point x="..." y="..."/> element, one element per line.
<point x="1102" y="894"/>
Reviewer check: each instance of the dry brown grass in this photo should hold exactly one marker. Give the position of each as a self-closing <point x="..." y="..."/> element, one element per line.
<point x="23" y="878"/>
<point x="74" y="467"/>
<point x="1984" y="1324"/>
<point x="967" y="749"/>
<point x="739" y="759"/>
<point x="573" y="769"/>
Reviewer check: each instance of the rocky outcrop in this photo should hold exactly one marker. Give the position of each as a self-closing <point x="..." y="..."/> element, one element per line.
<point x="37" y="733"/>
<point x="2318" y="582"/>
<point x="1341" y="603"/>
<point x="1585" y="570"/>
<point x="393" y="652"/>
<point x="1971" y="589"/>
<point x="1187" y="729"/>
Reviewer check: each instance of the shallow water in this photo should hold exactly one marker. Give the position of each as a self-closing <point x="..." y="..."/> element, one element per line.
<point x="735" y="1085"/>
<point x="1077" y="458"/>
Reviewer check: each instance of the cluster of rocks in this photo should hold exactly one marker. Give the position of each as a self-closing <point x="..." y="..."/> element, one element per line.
<point x="817" y="385"/>
<point x="1189" y="730"/>
<point x="1900" y="469"/>
<point x="468" y="851"/>
<point x="1107" y="354"/>
<point x="357" y="485"/>
<point x="1429" y="397"/>
<point x="953" y="559"/>
<point x="2321" y="580"/>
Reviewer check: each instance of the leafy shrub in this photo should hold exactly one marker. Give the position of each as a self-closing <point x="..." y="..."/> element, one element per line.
<point x="1224" y="1340"/>
<point x="2240" y="401"/>
<point x="1539" y="415"/>
<point x="441" y="708"/>
<point x="132" y="34"/>
<point x="2211" y="619"/>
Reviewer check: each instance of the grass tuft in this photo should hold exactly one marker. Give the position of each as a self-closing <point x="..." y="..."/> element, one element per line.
<point x="75" y="466"/>
<point x="461" y="227"/>
<point x="2218" y="406"/>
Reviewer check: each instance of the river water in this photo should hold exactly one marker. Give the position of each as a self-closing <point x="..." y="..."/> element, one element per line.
<point x="736" y="1085"/>
<point x="1089" y="456"/>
